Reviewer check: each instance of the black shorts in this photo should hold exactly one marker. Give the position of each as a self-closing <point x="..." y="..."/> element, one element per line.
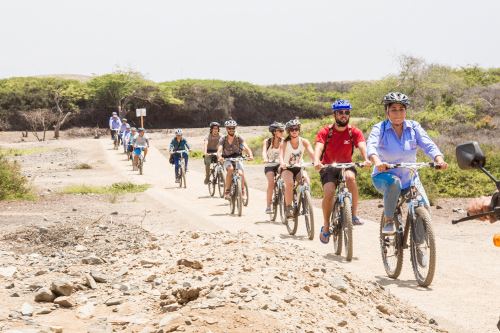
<point x="332" y="175"/>
<point x="271" y="169"/>
<point x="295" y="171"/>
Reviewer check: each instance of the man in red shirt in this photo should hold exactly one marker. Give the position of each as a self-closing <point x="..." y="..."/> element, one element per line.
<point x="336" y="143"/>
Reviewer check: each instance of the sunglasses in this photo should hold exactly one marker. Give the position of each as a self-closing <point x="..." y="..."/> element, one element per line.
<point x="346" y="112"/>
<point x="230" y="128"/>
<point x="294" y="129"/>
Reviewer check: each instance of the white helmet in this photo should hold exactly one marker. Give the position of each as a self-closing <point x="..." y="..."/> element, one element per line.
<point x="230" y="123"/>
<point x="178" y="131"/>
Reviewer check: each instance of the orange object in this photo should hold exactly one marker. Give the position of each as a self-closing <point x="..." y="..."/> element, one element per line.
<point x="496" y="240"/>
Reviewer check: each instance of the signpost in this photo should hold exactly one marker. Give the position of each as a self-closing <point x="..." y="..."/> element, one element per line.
<point x="141" y="113"/>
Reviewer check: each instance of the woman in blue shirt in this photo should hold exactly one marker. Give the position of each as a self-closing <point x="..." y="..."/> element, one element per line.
<point x="395" y="140"/>
<point x="179" y="143"/>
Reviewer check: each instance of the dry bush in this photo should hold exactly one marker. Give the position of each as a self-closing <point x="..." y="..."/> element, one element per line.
<point x="82" y="132"/>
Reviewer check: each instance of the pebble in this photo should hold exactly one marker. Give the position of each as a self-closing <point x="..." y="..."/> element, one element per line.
<point x="99" y="277"/>
<point x="61" y="288"/>
<point x="27" y="310"/>
<point x="90" y="282"/>
<point x="113" y="301"/>
<point x="8" y="272"/>
<point x="92" y="260"/>
<point x="44" y="295"/>
<point x="64" y="302"/>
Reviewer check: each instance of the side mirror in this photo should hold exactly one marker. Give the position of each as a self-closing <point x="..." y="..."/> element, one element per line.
<point x="470" y="155"/>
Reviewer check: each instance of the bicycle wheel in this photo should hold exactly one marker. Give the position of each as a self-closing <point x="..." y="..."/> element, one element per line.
<point x="239" y="199"/>
<point x="220" y="183"/>
<point x="336" y="228"/>
<point x="281" y="205"/>
<point x="391" y="247"/>
<point x="308" y="214"/>
<point x="293" y="223"/>
<point x="232" y="200"/>
<point x="274" y="204"/>
<point x="245" y="201"/>
<point x="184" y="178"/>
<point x="347" y="227"/>
<point x="212" y="182"/>
<point x="140" y="165"/>
<point x="424" y="272"/>
<point x="180" y="177"/>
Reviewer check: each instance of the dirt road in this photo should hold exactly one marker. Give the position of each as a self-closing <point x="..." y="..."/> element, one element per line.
<point x="464" y="296"/>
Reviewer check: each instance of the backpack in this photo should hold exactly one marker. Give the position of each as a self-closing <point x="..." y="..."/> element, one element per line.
<point x="329" y="136"/>
<point x="171" y="158"/>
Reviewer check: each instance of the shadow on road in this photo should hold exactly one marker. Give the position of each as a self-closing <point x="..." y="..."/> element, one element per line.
<point x="301" y="238"/>
<point x="334" y="257"/>
<point x="268" y="222"/>
<point x="411" y="284"/>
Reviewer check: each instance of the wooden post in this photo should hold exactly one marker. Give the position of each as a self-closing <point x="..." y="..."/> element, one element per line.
<point x="142" y="121"/>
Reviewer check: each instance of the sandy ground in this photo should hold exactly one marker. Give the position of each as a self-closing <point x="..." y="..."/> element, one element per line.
<point x="464" y="296"/>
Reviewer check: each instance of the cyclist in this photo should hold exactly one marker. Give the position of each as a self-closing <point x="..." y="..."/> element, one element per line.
<point x="140" y="143"/>
<point x="232" y="145"/>
<point x="124" y="135"/>
<point x="271" y="158"/>
<point x="336" y="143"/>
<point x="395" y="140"/>
<point x="114" y="125"/>
<point x="179" y="143"/>
<point x="210" y="145"/>
<point x="123" y="128"/>
<point x="291" y="157"/>
<point x="129" y="139"/>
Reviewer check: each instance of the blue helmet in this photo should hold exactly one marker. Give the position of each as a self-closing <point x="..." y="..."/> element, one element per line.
<point x="341" y="104"/>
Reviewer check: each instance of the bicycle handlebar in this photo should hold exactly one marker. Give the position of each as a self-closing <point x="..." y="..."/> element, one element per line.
<point x="344" y="165"/>
<point x="417" y="165"/>
<point x="300" y="165"/>
<point x="235" y="159"/>
<point x="180" y="151"/>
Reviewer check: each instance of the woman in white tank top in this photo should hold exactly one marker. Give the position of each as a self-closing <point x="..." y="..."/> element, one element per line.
<point x="291" y="159"/>
<point x="271" y="158"/>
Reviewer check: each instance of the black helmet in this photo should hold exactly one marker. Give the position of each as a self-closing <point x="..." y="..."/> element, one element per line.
<point x="276" y="125"/>
<point x="396" y="97"/>
<point x="213" y="124"/>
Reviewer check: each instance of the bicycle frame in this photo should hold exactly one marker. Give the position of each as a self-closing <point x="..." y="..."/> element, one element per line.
<point x="411" y="197"/>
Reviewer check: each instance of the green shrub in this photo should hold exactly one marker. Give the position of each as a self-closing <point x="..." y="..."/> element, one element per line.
<point x="14" y="184"/>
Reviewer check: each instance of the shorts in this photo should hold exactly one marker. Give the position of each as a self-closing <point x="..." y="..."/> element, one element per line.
<point x="129" y="148"/>
<point x="331" y="175"/>
<point x="239" y="165"/>
<point x="295" y="171"/>
<point x="138" y="151"/>
<point x="273" y="169"/>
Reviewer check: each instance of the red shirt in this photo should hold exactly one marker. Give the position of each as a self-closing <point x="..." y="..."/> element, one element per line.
<point x="339" y="147"/>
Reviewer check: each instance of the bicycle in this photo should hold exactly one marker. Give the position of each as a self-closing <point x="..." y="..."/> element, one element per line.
<point x="140" y="159"/>
<point x="278" y="203"/>
<point x="341" y="215"/>
<point x="235" y="191"/>
<point x="182" y="168"/>
<point x="114" y="135"/>
<point x="302" y="205"/>
<point x="216" y="178"/>
<point x="392" y="246"/>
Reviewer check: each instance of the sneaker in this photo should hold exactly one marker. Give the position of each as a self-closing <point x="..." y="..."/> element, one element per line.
<point x="289" y="211"/>
<point x="357" y="221"/>
<point x="269" y="210"/>
<point x="422" y="259"/>
<point x="389" y="228"/>
<point x="177" y="180"/>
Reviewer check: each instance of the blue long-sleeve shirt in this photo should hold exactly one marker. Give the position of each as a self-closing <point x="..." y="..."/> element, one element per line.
<point x="115" y="123"/>
<point x="179" y="145"/>
<point x="385" y="143"/>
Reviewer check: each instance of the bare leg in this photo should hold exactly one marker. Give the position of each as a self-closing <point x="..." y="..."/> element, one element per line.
<point x="327" y="203"/>
<point x="288" y="179"/>
<point x="270" y="187"/>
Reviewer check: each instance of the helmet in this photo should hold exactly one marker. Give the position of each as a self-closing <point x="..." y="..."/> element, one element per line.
<point x="341" y="104"/>
<point x="276" y="125"/>
<point x="127" y="126"/>
<point x="293" y="122"/>
<point x="114" y="114"/>
<point x="140" y="129"/>
<point x="124" y="119"/>
<point x="230" y="123"/>
<point x="396" y="97"/>
<point x="133" y="129"/>
<point x="213" y="124"/>
<point x="178" y="131"/>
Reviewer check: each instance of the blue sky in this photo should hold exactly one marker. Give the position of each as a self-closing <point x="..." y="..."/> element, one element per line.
<point x="261" y="41"/>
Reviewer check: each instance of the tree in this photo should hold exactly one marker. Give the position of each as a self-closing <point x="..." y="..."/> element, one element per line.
<point x="39" y="120"/>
